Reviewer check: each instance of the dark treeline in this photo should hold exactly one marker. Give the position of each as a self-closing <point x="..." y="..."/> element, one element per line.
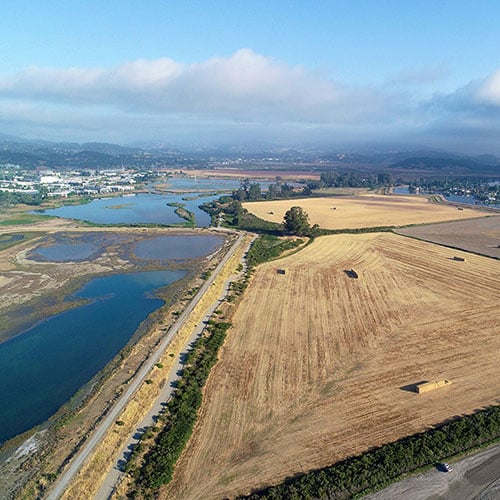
<point x="378" y="467"/>
<point x="231" y="213"/>
<point x="8" y="198"/>
<point x="351" y="179"/>
<point x="180" y="415"/>
<point x="268" y="247"/>
<point x="252" y="191"/>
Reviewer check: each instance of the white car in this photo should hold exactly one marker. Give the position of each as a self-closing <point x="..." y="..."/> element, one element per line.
<point x="446" y="467"/>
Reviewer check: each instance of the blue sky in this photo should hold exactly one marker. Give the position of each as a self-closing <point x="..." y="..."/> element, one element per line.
<point x="295" y="72"/>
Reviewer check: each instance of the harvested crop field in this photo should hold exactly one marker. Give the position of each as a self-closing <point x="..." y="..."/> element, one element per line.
<point x="318" y="364"/>
<point x="480" y="236"/>
<point x="363" y="211"/>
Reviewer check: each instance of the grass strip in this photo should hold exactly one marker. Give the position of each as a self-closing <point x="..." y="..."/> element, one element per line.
<point x="181" y="414"/>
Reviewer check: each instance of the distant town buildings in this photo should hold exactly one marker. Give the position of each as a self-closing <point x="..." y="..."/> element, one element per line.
<point x="66" y="183"/>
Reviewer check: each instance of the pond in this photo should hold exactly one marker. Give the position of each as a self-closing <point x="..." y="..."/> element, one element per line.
<point x="64" y="252"/>
<point x="43" y="367"/>
<point x="177" y="247"/>
<point x="72" y="247"/>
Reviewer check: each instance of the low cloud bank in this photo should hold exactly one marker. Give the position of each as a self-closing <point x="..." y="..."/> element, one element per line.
<point x="245" y="90"/>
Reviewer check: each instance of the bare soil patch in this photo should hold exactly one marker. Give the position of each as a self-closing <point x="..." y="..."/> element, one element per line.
<point x="316" y="364"/>
<point x="363" y="211"/>
<point x="479" y="236"/>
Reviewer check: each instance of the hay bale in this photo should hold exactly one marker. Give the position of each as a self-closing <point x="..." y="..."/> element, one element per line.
<point x="430" y="386"/>
<point x="460" y="259"/>
<point x="281" y="271"/>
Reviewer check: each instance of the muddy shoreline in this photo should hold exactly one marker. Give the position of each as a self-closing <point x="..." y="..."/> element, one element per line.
<point x="52" y="443"/>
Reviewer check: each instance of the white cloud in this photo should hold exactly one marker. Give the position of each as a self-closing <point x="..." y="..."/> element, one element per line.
<point x="247" y="94"/>
<point x="244" y="86"/>
<point x="489" y="90"/>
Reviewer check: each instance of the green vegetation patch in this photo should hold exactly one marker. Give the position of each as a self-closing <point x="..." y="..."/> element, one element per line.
<point x="23" y="218"/>
<point x="381" y="466"/>
<point x="268" y="247"/>
<point x="183" y="213"/>
<point x="180" y="416"/>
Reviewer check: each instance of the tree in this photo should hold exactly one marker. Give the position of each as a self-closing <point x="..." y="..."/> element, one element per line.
<point x="383" y="179"/>
<point x="254" y="192"/>
<point x="297" y="221"/>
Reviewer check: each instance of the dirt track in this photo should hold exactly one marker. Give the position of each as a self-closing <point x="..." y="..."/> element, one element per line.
<point x="316" y="364"/>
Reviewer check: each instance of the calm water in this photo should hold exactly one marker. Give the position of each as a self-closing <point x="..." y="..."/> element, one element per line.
<point x="469" y="200"/>
<point x="177" y="247"/>
<point x="67" y="251"/>
<point x="43" y="367"/>
<point x="137" y="209"/>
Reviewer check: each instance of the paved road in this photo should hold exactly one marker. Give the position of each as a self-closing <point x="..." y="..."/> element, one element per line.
<point x="62" y="483"/>
<point x="473" y="477"/>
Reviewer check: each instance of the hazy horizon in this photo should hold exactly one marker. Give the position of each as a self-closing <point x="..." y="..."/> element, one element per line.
<point x="328" y="74"/>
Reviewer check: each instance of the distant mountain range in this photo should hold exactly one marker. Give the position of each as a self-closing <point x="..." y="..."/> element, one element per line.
<point x="34" y="154"/>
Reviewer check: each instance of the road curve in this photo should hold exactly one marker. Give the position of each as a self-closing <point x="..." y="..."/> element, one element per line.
<point x="65" y="479"/>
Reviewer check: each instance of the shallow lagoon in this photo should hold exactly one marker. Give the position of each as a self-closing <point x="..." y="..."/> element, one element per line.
<point x="67" y="251"/>
<point x="89" y="246"/>
<point x="137" y="209"/>
<point x="177" y="247"/>
<point x="43" y="367"/>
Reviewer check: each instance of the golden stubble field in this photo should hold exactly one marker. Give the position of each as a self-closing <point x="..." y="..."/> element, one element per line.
<point x="370" y="210"/>
<point x="314" y="368"/>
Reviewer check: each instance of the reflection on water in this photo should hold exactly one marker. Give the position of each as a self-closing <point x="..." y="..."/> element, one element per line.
<point x="177" y="247"/>
<point x="64" y="252"/>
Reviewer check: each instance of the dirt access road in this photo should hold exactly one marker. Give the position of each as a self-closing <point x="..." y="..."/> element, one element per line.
<point x="114" y="475"/>
<point x="474" y="477"/>
<point x="62" y="483"/>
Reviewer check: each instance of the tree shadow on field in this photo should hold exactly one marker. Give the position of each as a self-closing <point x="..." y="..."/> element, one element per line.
<point x="412" y="387"/>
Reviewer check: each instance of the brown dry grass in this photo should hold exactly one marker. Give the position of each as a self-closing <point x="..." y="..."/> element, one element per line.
<point x="314" y="366"/>
<point x="94" y="471"/>
<point x="363" y="211"/>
